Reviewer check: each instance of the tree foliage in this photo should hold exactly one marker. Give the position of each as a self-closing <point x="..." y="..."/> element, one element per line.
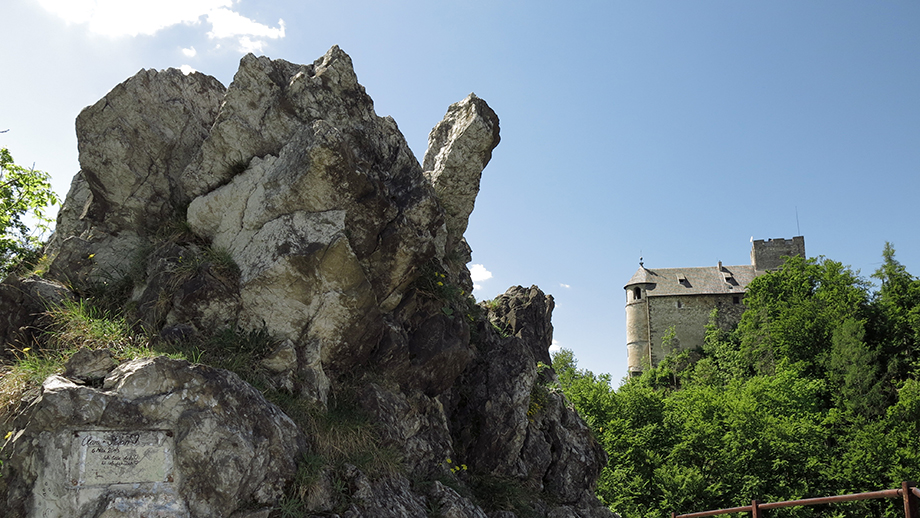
<point x="815" y="393"/>
<point x="25" y="195"/>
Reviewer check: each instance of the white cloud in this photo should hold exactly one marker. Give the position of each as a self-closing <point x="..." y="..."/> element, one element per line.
<point x="564" y="285"/>
<point x="186" y="69"/>
<point x="479" y="273"/>
<point x="190" y="52"/>
<point x="131" y="18"/>
<point x="228" y="24"/>
<point x="247" y="45"/>
<point x="555" y="347"/>
<point x="117" y="18"/>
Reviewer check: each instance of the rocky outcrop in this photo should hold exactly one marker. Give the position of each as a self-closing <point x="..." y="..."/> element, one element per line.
<point x="159" y="436"/>
<point x="509" y="418"/>
<point x="283" y="207"/>
<point x="459" y="148"/>
<point x="134" y="145"/>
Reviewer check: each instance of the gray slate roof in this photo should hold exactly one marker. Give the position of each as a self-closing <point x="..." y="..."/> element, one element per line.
<point x="706" y="280"/>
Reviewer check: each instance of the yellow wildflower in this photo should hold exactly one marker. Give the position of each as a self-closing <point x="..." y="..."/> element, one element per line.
<point x="8" y="435"/>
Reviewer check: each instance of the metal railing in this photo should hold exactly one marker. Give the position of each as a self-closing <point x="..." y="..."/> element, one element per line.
<point x="908" y="492"/>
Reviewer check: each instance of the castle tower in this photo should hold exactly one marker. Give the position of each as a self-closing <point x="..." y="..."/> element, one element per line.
<point x="638" y="339"/>
<point x="768" y="254"/>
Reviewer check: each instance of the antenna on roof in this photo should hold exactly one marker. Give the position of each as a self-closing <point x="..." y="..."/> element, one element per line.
<point x="640" y="260"/>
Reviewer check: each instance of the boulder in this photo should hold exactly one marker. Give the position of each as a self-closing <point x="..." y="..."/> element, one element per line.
<point x="134" y="145"/>
<point x="159" y="436"/>
<point x="89" y="365"/>
<point x="23" y="302"/>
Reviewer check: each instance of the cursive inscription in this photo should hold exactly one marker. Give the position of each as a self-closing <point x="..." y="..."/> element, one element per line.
<point x="123" y="457"/>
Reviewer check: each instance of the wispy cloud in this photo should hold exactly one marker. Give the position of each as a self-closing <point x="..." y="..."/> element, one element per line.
<point x="564" y="285"/>
<point x="190" y="52"/>
<point x="555" y="347"/>
<point x="120" y="18"/>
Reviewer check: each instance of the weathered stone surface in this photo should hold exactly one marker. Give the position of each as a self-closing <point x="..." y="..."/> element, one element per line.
<point x="390" y="497"/>
<point x="459" y="148"/>
<point x="225" y="446"/>
<point x="508" y="418"/>
<point x="186" y="292"/>
<point x="90" y="365"/>
<point x="22" y="303"/>
<point x="450" y="504"/>
<point x="328" y="215"/>
<point x="414" y="423"/>
<point x="299" y="273"/>
<point x="134" y="145"/>
<point x="323" y="149"/>
<point x="429" y="349"/>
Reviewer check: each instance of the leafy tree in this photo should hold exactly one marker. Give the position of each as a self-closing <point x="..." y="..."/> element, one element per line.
<point x="815" y="393"/>
<point x="24" y="195"/>
<point x="897" y="326"/>
<point x="853" y="369"/>
<point x="792" y="313"/>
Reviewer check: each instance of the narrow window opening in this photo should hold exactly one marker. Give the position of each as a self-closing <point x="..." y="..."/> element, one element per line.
<point x="637" y="293"/>
<point x="679" y="305"/>
<point x="736" y="300"/>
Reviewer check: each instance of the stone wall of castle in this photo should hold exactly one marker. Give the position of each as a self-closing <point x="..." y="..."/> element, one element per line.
<point x="686" y="314"/>
<point x="768" y="254"/>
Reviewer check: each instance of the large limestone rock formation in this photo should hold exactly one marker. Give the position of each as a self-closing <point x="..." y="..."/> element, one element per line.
<point x="284" y="206"/>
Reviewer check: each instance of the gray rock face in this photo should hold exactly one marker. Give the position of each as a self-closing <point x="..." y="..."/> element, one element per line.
<point x="134" y="145"/>
<point x="88" y="365"/>
<point x="22" y="303"/>
<point x="507" y="416"/>
<point x="329" y="218"/>
<point x="159" y="435"/>
<point x="459" y="148"/>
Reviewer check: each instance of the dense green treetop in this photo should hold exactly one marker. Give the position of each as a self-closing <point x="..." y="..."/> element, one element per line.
<point x="815" y="393"/>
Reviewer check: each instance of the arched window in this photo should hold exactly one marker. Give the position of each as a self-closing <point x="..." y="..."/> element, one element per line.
<point x="637" y="293"/>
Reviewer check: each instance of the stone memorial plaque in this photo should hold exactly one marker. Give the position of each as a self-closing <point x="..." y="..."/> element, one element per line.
<point x="106" y="457"/>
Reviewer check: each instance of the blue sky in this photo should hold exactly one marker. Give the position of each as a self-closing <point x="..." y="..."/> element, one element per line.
<point x="676" y="130"/>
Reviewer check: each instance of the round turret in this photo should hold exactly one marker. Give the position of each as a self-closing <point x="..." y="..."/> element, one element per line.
<point x="637" y="320"/>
